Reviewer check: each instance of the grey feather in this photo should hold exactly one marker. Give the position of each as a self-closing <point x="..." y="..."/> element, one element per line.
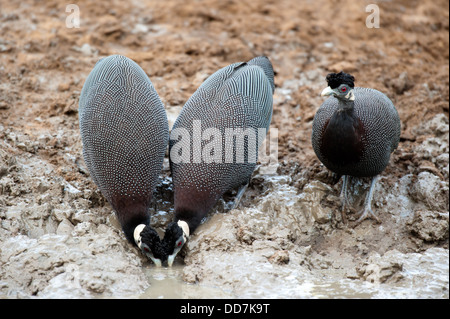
<point x="124" y="131"/>
<point x="236" y="96"/>
<point x="382" y="131"/>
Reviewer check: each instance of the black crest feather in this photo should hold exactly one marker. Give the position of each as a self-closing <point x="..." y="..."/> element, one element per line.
<point x="336" y="79"/>
<point x="150" y="237"/>
<point x="173" y="232"/>
<point x="167" y="245"/>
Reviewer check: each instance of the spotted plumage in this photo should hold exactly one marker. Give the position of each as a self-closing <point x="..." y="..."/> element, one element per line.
<point x="236" y="99"/>
<point x="355" y="130"/>
<point x="125" y="132"/>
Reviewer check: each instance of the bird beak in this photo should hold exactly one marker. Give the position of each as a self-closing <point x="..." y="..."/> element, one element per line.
<point x="327" y="92"/>
<point x="157" y="261"/>
<point x="170" y="259"/>
<point x="147" y="252"/>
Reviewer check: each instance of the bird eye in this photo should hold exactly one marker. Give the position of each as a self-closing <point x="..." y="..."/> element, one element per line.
<point x="146" y="249"/>
<point x="343" y="89"/>
<point x="179" y="243"/>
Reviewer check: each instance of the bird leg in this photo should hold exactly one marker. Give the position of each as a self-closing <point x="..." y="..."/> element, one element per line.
<point x="344" y="199"/>
<point x="367" y="211"/>
<point x="239" y="195"/>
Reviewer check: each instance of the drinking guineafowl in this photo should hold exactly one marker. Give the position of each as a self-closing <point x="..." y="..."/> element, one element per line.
<point x="354" y="133"/>
<point x="124" y="130"/>
<point x="208" y="161"/>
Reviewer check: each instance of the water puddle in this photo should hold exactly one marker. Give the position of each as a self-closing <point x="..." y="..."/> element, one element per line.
<point x="167" y="283"/>
<point x="257" y="281"/>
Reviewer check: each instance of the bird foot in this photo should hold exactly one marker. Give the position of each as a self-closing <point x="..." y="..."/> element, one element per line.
<point x="366" y="213"/>
<point x="346" y="207"/>
<point x="344" y="216"/>
<point x="344" y="200"/>
<point x="239" y="195"/>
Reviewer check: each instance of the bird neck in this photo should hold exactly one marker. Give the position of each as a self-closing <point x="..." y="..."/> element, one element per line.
<point x="192" y="205"/>
<point x="131" y="211"/>
<point x="346" y="105"/>
<point x="342" y="139"/>
<point x="189" y="219"/>
<point x="129" y="223"/>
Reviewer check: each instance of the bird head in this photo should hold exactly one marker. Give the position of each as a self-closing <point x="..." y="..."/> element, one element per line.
<point x="175" y="237"/>
<point x="147" y="239"/>
<point x="340" y="85"/>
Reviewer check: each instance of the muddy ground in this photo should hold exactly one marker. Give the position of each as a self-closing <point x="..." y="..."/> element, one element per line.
<point x="59" y="237"/>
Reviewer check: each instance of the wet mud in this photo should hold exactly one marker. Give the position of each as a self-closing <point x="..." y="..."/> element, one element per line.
<point x="59" y="238"/>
